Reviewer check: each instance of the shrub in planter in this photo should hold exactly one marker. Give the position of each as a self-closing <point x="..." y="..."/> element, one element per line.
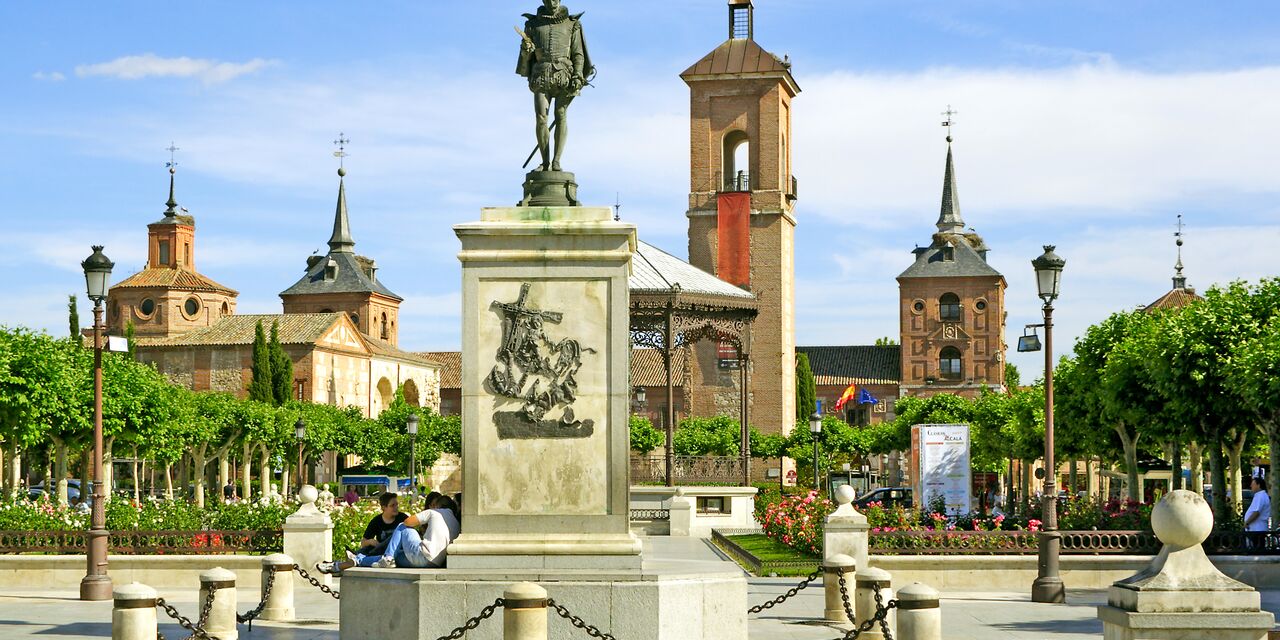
<point x="798" y="521"/>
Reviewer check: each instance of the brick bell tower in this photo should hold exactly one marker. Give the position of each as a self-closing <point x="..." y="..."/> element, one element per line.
<point x="741" y="214"/>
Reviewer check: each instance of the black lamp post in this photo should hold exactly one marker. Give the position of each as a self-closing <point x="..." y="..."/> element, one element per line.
<point x="300" y="432"/>
<point x="1048" y="585"/>
<point x="815" y="429"/>
<point x="96" y="584"/>
<point x="411" y="426"/>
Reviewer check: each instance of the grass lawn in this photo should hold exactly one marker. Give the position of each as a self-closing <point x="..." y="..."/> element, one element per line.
<point x="769" y="551"/>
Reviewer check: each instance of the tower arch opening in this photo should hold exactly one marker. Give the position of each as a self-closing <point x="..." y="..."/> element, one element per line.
<point x="737" y="161"/>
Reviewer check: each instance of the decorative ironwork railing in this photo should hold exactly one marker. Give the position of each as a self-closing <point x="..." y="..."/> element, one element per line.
<point x="687" y="469"/>
<point x="650" y="514"/>
<point x="146" y="542"/>
<point x="1073" y="542"/>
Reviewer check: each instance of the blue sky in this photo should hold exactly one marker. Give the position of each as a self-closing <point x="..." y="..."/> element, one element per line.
<point x="1088" y="125"/>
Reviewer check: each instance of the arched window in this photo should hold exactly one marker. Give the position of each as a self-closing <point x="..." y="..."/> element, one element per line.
<point x="949" y="364"/>
<point x="737" y="161"/>
<point x="384" y="326"/>
<point x="949" y="307"/>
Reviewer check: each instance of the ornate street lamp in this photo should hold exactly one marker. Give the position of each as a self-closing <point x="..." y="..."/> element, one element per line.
<point x="300" y="432"/>
<point x="96" y="584"/>
<point x="815" y="429"/>
<point x="1048" y="586"/>
<point x="411" y="426"/>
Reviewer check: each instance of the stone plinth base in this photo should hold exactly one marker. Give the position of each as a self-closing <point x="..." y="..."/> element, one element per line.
<point x="641" y="605"/>
<point x="550" y="189"/>
<point x="1118" y="624"/>
<point x="590" y="552"/>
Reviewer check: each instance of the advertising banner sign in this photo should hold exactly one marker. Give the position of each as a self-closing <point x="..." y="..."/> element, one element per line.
<point x="940" y="466"/>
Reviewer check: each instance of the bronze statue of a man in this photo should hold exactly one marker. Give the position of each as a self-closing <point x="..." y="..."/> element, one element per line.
<point x="554" y="58"/>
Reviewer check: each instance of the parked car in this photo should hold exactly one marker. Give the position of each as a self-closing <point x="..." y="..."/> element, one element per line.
<point x="73" y="490"/>
<point x="887" y="496"/>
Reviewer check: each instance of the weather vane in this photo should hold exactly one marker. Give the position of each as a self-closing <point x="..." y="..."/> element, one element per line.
<point x="949" y="120"/>
<point x="617" y="205"/>
<point x="341" y="153"/>
<point x="172" y="164"/>
<point x="1178" y="241"/>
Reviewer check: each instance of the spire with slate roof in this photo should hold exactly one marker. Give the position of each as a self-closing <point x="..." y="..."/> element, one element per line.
<point x="172" y="205"/>
<point x="949" y="220"/>
<point x="340" y="241"/>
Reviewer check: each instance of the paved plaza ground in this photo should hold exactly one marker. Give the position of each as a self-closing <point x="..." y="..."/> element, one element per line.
<point x="29" y="613"/>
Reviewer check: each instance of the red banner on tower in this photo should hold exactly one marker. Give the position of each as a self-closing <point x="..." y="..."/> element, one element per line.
<point x="733" y="236"/>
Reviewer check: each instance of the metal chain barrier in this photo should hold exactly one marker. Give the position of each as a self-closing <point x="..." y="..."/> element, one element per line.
<point x="315" y="583"/>
<point x="196" y="629"/>
<point x="790" y="593"/>
<point x="253" y="613"/>
<point x="578" y="622"/>
<point x="881" y="616"/>
<point x="474" y="621"/>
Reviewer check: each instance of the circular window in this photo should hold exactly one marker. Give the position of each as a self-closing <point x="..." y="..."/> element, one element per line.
<point x="980" y="305"/>
<point x="147" y="307"/>
<point x="191" y="307"/>
<point x="918" y="306"/>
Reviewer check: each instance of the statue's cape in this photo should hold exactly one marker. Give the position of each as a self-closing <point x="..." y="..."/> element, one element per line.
<point x="524" y="64"/>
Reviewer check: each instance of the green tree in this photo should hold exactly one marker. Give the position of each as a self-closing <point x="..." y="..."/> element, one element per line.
<point x="806" y="391"/>
<point x="73" y="317"/>
<point x="261" y="386"/>
<point x="644" y="436"/>
<point x="281" y="368"/>
<point x="130" y="343"/>
<point x="1255" y="372"/>
<point x="1012" y="378"/>
<point x="886" y="342"/>
<point x="718" y="436"/>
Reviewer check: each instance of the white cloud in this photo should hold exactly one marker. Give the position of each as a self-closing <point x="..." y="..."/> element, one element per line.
<point x="49" y="76"/>
<point x="150" y="65"/>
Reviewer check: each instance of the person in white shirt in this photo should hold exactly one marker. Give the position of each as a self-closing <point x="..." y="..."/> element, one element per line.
<point x="1258" y="515"/>
<point x="408" y="549"/>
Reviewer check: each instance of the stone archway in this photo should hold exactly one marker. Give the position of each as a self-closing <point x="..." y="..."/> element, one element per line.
<point x="411" y="394"/>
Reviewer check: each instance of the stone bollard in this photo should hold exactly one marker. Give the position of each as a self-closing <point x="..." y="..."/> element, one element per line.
<point x="308" y="534"/>
<point x="133" y="616"/>
<point x="221" y="622"/>
<point x="1181" y="594"/>
<point x="864" y="599"/>
<point x="846" y="530"/>
<point x="681" y="514"/>
<point x="831" y="585"/>
<point x="524" y="614"/>
<point x="919" y="615"/>
<point x="279" y="605"/>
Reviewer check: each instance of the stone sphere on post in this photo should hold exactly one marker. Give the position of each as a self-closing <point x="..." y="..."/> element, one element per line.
<point x="524" y="615"/>
<point x="1182" y="519"/>
<point x="307" y="494"/>
<point x="845" y="494"/>
<point x="133" y="616"/>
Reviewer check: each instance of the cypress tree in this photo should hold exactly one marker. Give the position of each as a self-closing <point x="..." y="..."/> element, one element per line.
<point x="129" y="330"/>
<point x="281" y="367"/>
<point x="260" y="388"/>
<point x="806" y="390"/>
<point x="73" y="316"/>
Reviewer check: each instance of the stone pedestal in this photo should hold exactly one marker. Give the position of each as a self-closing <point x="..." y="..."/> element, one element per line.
<point x="308" y="534"/>
<point x="681" y="514"/>
<point x="550" y="189"/>
<point x="545" y="361"/>
<point x="846" y="531"/>
<point x="1182" y="595"/>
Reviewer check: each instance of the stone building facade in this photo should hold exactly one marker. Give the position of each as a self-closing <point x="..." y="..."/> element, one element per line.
<point x="741" y="216"/>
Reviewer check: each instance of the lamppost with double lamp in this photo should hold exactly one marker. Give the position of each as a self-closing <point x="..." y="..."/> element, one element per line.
<point x="300" y="432"/>
<point x="1048" y="586"/>
<point x="96" y="584"/>
<point x="411" y="427"/>
<point x="815" y="429"/>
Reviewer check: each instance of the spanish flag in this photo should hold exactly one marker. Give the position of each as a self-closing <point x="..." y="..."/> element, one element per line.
<point x="849" y="394"/>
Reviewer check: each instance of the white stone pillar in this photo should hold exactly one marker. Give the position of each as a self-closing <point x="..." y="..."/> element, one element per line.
<point x="846" y="530"/>
<point x="919" y="615"/>
<point x="279" y="605"/>
<point x="832" y="568"/>
<point x="681" y="514"/>
<point x="221" y="583"/>
<point x="865" y="599"/>
<point x="133" y="616"/>
<point x="524" y="615"/>
<point x="308" y="534"/>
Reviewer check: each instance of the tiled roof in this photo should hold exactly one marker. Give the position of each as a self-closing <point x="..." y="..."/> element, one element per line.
<point x="964" y="258"/>
<point x="737" y="56"/>
<point x="1175" y="299"/>
<point x="654" y="271"/>
<point x="857" y="364"/>
<point x="646" y="368"/>
<point x="450" y="367"/>
<point x="295" y="328"/>
<point x="350" y="278"/>
<point x="174" y="279"/>
<point x="383" y="348"/>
